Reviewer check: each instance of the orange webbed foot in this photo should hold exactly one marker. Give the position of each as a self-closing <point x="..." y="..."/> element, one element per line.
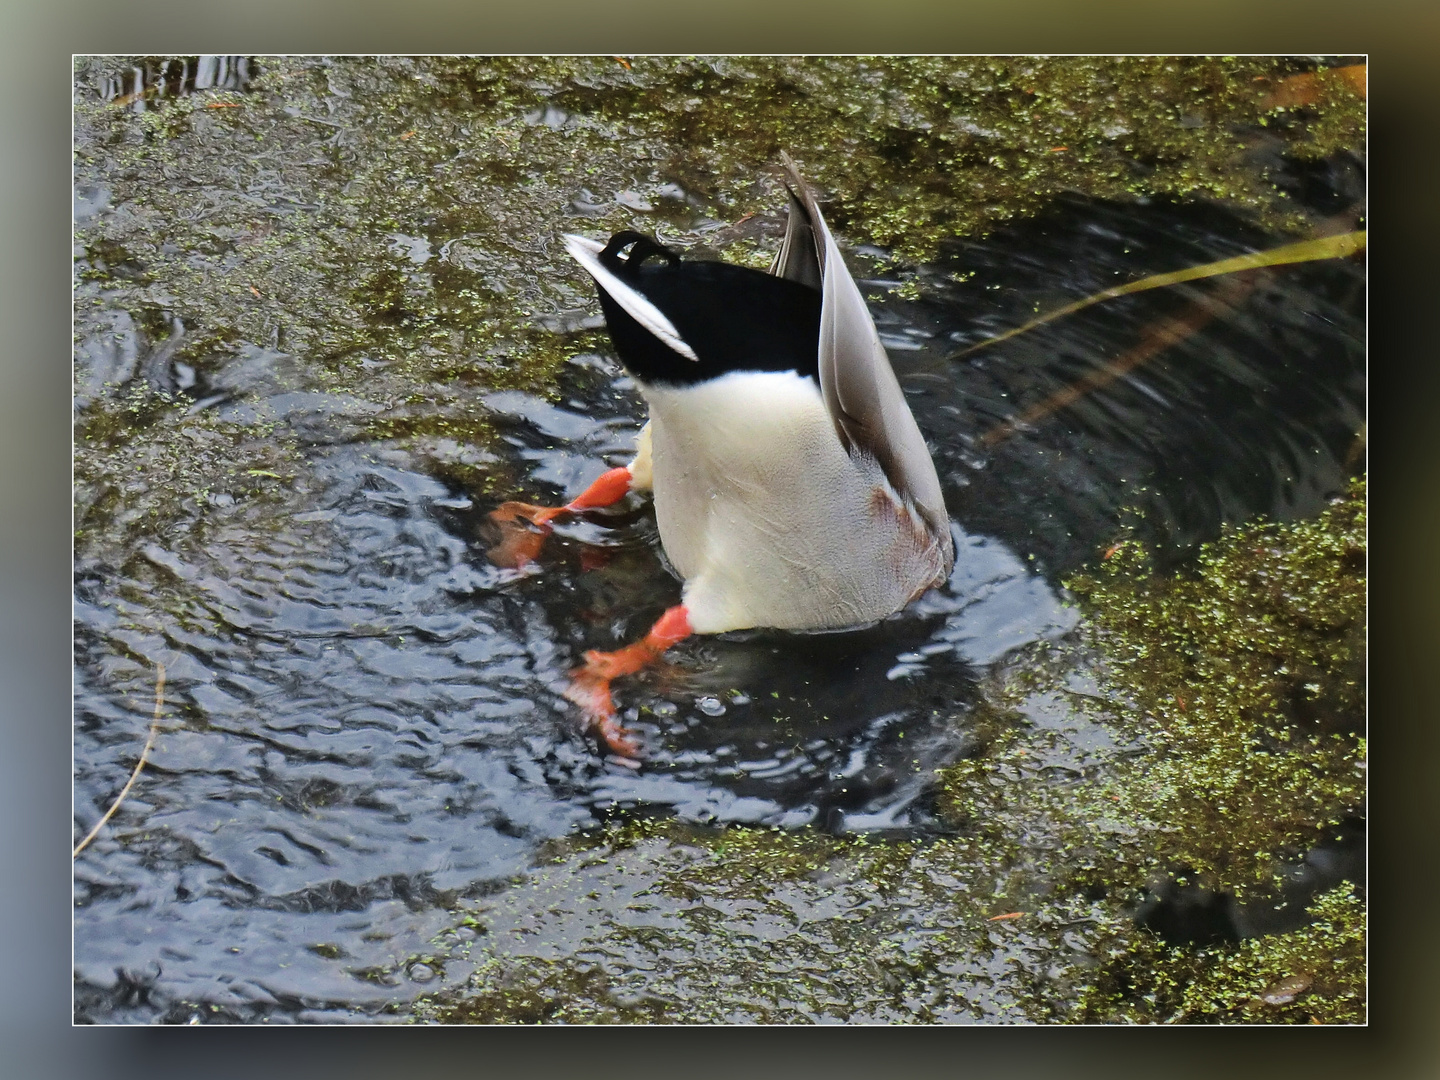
<point x="509" y="513"/>
<point x="591" y="692"/>
<point x="590" y="684"/>
<point x="520" y="544"/>
<point x="523" y="529"/>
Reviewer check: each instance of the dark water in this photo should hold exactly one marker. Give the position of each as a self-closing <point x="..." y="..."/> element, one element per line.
<point x="364" y="719"/>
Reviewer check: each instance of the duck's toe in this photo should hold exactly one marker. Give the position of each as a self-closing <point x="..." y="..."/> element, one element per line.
<point x="512" y="513"/>
<point x="523" y="529"/>
<point x="619" y="740"/>
<point x="590" y="683"/>
<point x="590" y="690"/>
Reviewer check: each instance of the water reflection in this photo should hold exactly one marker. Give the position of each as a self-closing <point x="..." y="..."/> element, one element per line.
<point x="139" y="87"/>
<point x="1232" y="398"/>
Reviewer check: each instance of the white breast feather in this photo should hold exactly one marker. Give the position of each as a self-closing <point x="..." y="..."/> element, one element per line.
<point x="767" y="517"/>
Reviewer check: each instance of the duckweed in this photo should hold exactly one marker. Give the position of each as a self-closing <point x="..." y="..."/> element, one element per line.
<point x="1245" y="675"/>
<point x="1024" y="911"/>
<point x="388" y="226"/>
<point x="1313" y="975"/>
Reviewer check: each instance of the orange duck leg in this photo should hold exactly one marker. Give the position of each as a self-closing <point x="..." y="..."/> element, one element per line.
<point x="590" y="683"/>
<point x="520" y="544"/>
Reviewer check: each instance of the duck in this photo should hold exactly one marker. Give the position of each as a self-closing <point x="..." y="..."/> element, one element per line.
<point x="792" y="487"/>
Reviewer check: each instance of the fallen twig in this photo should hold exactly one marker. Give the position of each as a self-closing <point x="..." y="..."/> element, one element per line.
<point x="144" y="753"/>
<point x="1158" y="337"/>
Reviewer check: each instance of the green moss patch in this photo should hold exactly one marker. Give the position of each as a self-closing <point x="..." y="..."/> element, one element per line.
<point x="1088" y="779"/>
<point x="1245" y="677"/>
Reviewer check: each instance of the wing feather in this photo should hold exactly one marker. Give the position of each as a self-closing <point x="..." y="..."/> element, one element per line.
<point x="798" y="258"/>
<point x="856" y="380"/>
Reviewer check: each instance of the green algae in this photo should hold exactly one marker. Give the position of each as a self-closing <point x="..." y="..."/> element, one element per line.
<point x="390" y="225"/>
<point x="131" y="490"/>
<point x="920" y="149"/>
<point x="1313" y="975"/>
<point x="1087" y="779"/>
<point x="391" y="222"/>
<point x="1247" y="676"/>
<point x="659" y="922"/>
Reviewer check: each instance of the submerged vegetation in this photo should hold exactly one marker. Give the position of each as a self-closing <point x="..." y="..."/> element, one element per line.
<point x="355" y="249"/>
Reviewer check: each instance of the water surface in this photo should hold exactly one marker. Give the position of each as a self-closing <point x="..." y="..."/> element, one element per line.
<point x="364" y="729"/>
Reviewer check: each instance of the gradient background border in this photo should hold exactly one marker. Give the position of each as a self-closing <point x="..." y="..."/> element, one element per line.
<point x="1401" y="38"/>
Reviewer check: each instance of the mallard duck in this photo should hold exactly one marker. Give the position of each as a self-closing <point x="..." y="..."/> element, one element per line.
<point x="792" y="487"/>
